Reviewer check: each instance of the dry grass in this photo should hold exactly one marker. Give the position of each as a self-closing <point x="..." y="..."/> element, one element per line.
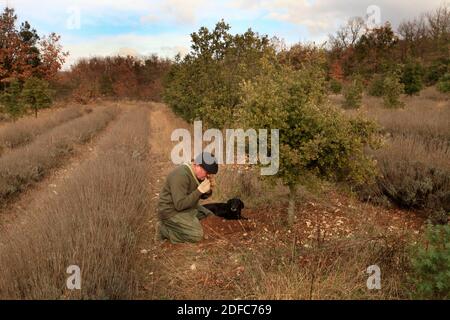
<point x="414" y="163"/>
<point x="429" y="120"/>
<point x="92" y="223"/>
<point x="432" y="93"/>
<point x="333" y="271"/>
<point x="325" y="255"/>
<point x="24" y="166"/>
<point x="25" y="130"/>
<point x="163" y="123"/>
<point x="416" y="150"/>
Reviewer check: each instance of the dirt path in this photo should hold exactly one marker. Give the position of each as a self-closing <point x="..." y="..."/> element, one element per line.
<point x="48" y="186"/>
<point x="159" y="166"/>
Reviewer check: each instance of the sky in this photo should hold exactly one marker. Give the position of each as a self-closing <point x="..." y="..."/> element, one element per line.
<point x="143" y="27"/>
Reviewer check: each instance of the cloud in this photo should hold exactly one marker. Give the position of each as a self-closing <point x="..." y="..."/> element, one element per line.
<point x="323" y="16"/>
<point x="183" y="11"/>
<point x="124" y="52"/>
<point x="176" y="11"/>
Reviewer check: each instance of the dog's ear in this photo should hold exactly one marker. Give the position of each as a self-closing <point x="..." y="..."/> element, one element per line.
<point x="241" y="203"/>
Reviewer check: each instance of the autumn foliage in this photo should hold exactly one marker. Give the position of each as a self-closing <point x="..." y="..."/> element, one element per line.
<point x="113" y="77"/>
<point x="23" y="53"/>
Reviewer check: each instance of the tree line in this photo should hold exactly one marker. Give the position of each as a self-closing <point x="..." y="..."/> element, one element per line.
<point x="390" y="62"/>
<point x="113" y="77"/>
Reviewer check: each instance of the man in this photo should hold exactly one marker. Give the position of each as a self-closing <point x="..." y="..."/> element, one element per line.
<point x="178" y="208"/>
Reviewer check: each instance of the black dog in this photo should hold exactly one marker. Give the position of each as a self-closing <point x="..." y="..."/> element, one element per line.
<point x="231" y="210"/>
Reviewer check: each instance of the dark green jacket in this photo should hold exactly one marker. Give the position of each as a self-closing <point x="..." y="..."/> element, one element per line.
<point x="179" y="193"/>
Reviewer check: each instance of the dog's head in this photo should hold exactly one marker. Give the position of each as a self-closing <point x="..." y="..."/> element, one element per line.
<point x="235" y="204"/>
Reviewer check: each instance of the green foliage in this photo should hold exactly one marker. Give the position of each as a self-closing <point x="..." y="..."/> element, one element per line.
<point x="412" y="78"/>
<point x="353" y="93"/>
<point x="431" y="265"/>
<point x="238" y="78"/>
<point x="36" y="94"/>
<point x="374" y="49"/>
<point x="392" y="90"/>
<point x="376" y="87"/>
<point x="240" y="81"/>
<point x="205" y="83"/>
<point x="436" y="71"/>
<point x="30" y="37"/>
<point x="315" y="138"/>
<point x="444" y="83"/>
<point x="335" y="86"/>
<point x="11" y="100"/>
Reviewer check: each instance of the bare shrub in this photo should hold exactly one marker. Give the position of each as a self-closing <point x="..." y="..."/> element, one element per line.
<point x="414" y="167"/>
<point x="414" y="173"/>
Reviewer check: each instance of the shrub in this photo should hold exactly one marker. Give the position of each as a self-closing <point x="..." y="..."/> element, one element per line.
<point x="392" y="91"/>
<point x="11" y="100"/>
<point x="436" y="70"/>
<point x="414" y="173"/>
<point x="415" y="185"/>
<point x="444" y="83"/>
<point x="412" y="78"/>
<point x="315" y="138"/>
<point x="36" y="94"/>
<point x="376" y="87"/>
<point x="353" y="93"/>
<point x="431" y="265"/>
<point x="335" y="86"/>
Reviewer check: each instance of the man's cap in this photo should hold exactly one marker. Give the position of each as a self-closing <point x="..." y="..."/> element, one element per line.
<point x="208" y="162"/>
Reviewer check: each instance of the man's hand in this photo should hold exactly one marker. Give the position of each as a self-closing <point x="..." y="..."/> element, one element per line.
<point x="205" y="186"/>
